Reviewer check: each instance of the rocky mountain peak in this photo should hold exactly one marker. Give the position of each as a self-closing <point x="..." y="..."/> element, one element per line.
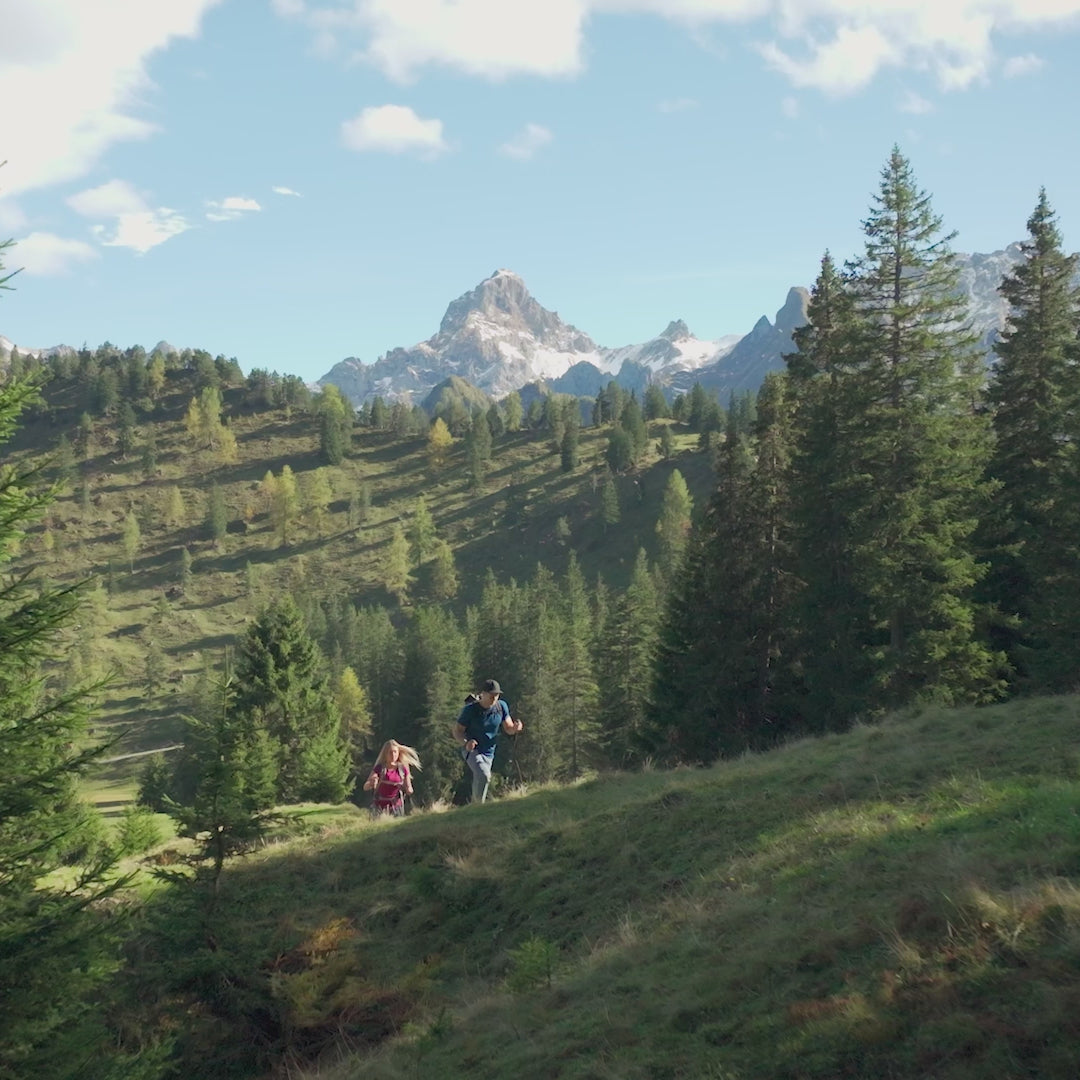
<point x="794" y="312"/>
<point x="503" y="299"/>
<point x="676" y="330"/>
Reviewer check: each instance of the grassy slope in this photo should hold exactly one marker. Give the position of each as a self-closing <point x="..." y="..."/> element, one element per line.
<point x="900" y="901"/>
<point x="335" y="560"/>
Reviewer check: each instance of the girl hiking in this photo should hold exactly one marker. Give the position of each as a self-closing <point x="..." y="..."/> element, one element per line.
<point x="391" y="778"/>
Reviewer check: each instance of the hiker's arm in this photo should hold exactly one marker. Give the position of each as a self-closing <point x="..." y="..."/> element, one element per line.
<point x="408" y="780"/>
<point x="512" y="726"/>
<point x="459" y="734"/>
<point x="371" y="781"/>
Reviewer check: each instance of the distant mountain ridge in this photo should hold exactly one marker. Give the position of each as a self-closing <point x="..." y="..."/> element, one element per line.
<point x="499" y="338"/>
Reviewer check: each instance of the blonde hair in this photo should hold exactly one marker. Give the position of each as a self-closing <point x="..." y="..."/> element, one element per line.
<point x="408" y="756"/>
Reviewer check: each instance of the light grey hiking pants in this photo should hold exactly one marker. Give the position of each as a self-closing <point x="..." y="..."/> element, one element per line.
<point x="480" y="767"/>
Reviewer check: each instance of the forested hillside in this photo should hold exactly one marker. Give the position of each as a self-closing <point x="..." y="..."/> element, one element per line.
<point x="274" y="585"/>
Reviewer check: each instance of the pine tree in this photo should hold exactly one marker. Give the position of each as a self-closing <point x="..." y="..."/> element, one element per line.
<point x="233" y="761"/>
<point x="704" y="664"/>
<point x="625" y="662"/>
<point x="666" y="443"/>
<point x="1035" y="393"/>
<point x="609" y="503"/>
<point x="923" y="444"/>
<point x="281" y="687"/>
<point x="125" y="432"/>
<point x="537" y="645"/>
<point x="827" y="487"/>
<point x="580" y="690"/>
<point x="53" y="948"/>
<point x="335" y="424"/>
<point x="478" y="449"/>
<point x="436" y="666"/>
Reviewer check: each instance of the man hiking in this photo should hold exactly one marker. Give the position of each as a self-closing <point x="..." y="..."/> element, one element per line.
<point x="477" y="728"/>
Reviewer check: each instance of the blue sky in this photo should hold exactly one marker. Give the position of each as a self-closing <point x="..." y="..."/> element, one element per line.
<point x="293" y="182"/>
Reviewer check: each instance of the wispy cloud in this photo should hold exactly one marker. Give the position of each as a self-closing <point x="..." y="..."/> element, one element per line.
<point x="230" y="208"/>
<point x="80" y="70"/>
<point x="915" y="104"/>
<point x="672" y="105"/>
<point x="135" y="224"/>
<point x="393" y="129"/>
<point x="47" y="255"/>
<point x="526" y="143"/>
<point x="789" y="106"/>
<point x="1022" y="65"/>
<point x="835" y="46"/>
<point x="286" y="191"/>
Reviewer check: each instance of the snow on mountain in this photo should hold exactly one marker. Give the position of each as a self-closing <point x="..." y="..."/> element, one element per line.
<point x="498" y="337"/>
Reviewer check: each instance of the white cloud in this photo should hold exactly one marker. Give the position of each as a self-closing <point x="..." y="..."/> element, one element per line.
<point x="286" y="191"/>
<point x="1022" y="65"/>
<point x="837" y="46"/>
<point x="673" y="105"/>
<point x="78" y="72"/>
<point x="525" y="144"/>
<point x="136" y="224"/>
<point x="915" y="104"/>
<point x="393" y="129"/>
<point x="12" y="219"/>
<point x="230" y="208"/>
<point x="109" y="200"/>
<point x="847" y="63"/>
<point x="790" y="107"/>
<point x="46" y="255"/>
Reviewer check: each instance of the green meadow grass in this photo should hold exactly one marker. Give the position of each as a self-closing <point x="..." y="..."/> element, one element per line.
<point x="901" y="901"/>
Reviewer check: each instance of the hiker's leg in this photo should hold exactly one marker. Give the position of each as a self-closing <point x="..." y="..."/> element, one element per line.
<point x="480" y="764"/>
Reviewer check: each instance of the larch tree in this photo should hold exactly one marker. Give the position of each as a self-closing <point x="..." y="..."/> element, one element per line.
<point x="673" y="526"/>
<point x="439" y="443"/>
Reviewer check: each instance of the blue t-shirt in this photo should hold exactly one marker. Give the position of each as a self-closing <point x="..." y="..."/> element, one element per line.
<point x="483" y="724"/>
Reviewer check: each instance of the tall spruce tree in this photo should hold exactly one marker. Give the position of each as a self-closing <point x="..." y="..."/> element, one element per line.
<point x="230" y="756"/>
<point x="55" y="954"/>
<point x="922" y="443"/>
<point x="281" y="686"/>
<point x="625" y="663"/>
<point x="1035" y="392"/>
<point x="827" y="487"/>
<point x="728" y="614"/>
<point x="579" y="687"/>
<point x="537" y="678"/>
<point x="437" y="671"/>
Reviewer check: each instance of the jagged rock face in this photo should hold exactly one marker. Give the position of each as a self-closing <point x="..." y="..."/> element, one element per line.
<point x="498" y="337"/>
<point x="745" y="366"/>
